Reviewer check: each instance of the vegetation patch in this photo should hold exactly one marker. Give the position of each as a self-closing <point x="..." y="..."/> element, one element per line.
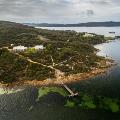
<point x="31" y="51"/>
<point x="86" y="101"/>
<point x="45" y="90"/>
<point x="110" y="104"/>
<point x="15" y="67"/>
<point x="70" y="104"/>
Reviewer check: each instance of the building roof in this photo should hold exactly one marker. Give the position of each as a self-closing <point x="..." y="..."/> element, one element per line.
<point x="88" y="34"/>
<point x="39" y="47"/>
<point x="19" y="48"/>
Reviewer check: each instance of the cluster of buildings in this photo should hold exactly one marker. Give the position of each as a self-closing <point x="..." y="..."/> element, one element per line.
<point x="88" y="35"/>
<point x="23" y="48"/>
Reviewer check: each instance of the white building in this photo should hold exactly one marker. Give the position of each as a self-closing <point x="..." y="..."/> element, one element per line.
<point x="19" y="48"/>
<point x="12" y="45"/>
<point x="39" y="47"/>
<point x="88" y="35"/>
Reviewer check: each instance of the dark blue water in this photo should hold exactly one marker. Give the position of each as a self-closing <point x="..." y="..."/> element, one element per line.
<point x="23" y="105"/>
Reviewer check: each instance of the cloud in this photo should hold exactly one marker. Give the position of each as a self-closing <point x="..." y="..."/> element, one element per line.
<point x="59" y="11"/>
<point x="101" y="2"/>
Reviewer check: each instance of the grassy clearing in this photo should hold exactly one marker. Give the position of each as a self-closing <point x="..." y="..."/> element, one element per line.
<point x="30" y="51"/>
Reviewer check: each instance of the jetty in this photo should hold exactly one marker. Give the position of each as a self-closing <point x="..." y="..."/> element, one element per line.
<point x="71" y="93"/>
<point x="60" y="75"/>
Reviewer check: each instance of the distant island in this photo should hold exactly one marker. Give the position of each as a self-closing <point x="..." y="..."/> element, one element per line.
<point x="88" y="24"/>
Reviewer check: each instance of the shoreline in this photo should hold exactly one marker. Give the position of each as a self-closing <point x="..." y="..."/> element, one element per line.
<point x="62" y="79"/>
<point x="68" y="79"/>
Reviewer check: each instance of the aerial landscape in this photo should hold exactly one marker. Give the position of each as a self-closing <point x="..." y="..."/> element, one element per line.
<point x="59" y="60"/>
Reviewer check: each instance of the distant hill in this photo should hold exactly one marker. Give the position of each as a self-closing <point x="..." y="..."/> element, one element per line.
<point x="89" y="24"/>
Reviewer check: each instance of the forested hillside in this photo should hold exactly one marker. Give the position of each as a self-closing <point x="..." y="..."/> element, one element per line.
<point x="70" y="51"/>
<point x="14" y="68"/>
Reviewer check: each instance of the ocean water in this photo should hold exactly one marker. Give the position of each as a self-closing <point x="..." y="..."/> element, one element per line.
<point x="23" y="103"/>
<point x="98" y="30"/>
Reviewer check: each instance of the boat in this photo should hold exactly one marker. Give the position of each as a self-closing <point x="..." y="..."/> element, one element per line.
<point x="112" y="32"/>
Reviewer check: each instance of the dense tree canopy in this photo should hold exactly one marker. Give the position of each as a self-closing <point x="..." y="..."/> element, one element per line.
<point x="70" y="51"/>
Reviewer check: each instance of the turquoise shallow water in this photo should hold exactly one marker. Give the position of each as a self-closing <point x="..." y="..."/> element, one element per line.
<point x="30" y="103"/>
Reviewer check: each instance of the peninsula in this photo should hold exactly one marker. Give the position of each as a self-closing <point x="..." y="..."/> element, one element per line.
<point x="40" y="57"/>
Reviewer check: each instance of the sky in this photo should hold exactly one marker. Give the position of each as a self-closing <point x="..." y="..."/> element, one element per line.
<point x="59" y="11"/>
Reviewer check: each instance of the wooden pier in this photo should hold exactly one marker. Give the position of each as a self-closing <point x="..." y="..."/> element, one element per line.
<point x="60" y="75"/>
<point x="72" y="94"/>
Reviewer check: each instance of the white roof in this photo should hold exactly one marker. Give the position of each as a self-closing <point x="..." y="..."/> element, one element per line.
<point x="39" y="47"/>
<point x="19" y="48"/>
<point x="88" y="34"/>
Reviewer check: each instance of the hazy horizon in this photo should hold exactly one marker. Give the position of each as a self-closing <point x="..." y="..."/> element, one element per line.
<point x="67" y="23"/>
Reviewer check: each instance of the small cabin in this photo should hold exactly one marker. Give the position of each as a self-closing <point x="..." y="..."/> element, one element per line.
<point x="88" y="35"/>
<point x="19" y="48"/>
<point x="39" y="47"/>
